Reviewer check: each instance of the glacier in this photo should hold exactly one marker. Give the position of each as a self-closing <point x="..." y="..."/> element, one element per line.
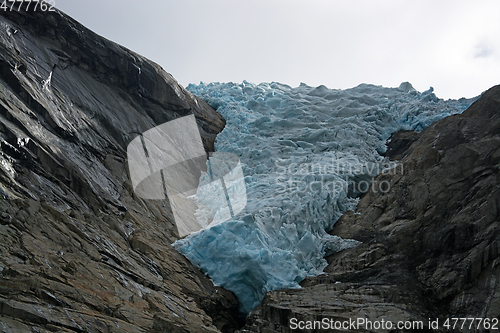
<point x="307" y="155"/>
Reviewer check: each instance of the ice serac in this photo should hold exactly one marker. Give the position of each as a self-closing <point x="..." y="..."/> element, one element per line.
<point x="79" y="250"/>
<point x="307" y="153"/>
<point x="430" y="246"/>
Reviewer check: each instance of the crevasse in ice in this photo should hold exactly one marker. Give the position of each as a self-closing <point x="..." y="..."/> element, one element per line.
<point x="307" y="153"/>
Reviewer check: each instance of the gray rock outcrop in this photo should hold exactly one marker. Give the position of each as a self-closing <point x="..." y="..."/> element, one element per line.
<point x="79" y="252"/>
<point x="430" y="245"/>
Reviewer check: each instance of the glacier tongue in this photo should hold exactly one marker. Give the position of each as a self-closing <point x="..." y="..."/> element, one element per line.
<point x="307" y="153"/>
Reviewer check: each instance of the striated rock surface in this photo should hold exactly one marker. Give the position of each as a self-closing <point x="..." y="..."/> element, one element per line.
<point x="431" y="243"/>
<point x="79" y="252"/>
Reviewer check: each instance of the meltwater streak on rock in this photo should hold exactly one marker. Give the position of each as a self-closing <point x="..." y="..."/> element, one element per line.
<point x="79" y="251"/>
<point x="300" y="147"/>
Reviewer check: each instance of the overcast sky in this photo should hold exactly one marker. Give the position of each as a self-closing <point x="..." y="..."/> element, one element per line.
<point x="451" y="45"/>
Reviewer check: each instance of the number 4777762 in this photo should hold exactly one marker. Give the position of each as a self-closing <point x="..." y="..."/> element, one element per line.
<point x="470" y="323"/>
<point x="27" y="5"/>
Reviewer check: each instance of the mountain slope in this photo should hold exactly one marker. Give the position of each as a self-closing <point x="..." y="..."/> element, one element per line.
<point x="79" y="251"/>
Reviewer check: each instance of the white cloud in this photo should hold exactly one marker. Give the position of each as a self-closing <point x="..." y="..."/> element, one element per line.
<point x="450" y="45"/>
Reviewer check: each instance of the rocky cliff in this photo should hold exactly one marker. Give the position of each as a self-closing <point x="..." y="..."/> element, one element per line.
<point x="79" y="251"/>
<point x="430" y="241"/>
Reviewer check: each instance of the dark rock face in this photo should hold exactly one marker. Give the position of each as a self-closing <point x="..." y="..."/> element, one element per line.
<point x="79" y="251"/>
<point x="398" y="144"/>
<point x="431" y="244"/>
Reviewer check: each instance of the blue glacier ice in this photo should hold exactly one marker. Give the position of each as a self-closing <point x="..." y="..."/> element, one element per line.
<point x="305" y="153"/>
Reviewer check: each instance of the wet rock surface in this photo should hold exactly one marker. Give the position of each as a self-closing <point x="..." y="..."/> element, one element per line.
<point x="79" y="252"/>
<point x="431" y="244"/>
